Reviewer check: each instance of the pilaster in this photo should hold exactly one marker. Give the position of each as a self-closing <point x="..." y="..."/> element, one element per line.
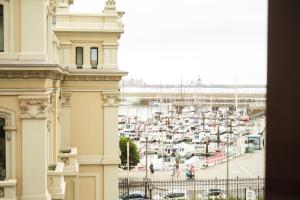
<point x="111" y="147"/>
<point x="110" y="51"/>
<point x="66" y="120"/>
<point x="35" y="112"/>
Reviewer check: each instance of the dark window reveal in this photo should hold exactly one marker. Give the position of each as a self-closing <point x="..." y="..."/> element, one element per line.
<point x="1" y="29"/>
<point x="79" y="57"/>
<point x="2" y="150"/>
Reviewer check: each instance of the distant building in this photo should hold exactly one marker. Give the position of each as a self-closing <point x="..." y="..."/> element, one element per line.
<point x="59" y="98"/>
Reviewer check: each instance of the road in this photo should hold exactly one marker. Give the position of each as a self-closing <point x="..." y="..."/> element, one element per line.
<point x="249" y="165"/>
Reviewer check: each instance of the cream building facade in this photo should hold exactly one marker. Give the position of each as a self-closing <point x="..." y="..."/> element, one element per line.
<point x="59" y="98"/>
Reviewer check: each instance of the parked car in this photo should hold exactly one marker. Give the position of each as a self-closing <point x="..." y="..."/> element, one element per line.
<point x="174" y="195"/>
<point x="212" y="194"/>
<point x="132" y="195"/>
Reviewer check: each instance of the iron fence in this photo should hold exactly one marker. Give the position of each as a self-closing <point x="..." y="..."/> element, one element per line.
<point x="193" y="189"/>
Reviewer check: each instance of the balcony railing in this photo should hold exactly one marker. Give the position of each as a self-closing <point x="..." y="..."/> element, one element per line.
<point x="8" y="189"/>
<point x="56" y="183"/>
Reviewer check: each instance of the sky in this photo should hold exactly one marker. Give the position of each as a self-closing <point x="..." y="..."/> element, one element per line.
<point x="166" y="41"/>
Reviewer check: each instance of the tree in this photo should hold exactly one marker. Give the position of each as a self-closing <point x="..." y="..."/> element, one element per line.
<point x="134" y="157"/>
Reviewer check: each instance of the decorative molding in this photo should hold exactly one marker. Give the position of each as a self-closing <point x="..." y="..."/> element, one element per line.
<point x="63" y="3"/>
<point x="52" y="7"/>
<point x="97" y="181"/>
<point x="111" y="98"/>
<point x="107" y="45"/>
<point x="66" y="99"/>
<point x="98" y="160"/>
<point x="27" y="74"/>
<point x="42" y="71"/>
<point x="34" y="106"/>
<point x="110" y="5"/>
<point x="89" y="160"/>
<point x="111" y="160"/>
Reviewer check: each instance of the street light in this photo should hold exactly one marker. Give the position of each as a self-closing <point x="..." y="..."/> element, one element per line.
<point x="146" y="156"/>
<point x="229" y="117"/>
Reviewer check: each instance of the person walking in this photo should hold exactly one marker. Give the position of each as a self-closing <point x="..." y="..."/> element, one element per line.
<point x="151" y="167"/>
<point x="173" y="171"/>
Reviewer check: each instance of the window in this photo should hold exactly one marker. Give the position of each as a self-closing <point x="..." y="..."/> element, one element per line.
<point x="2" y="150"/>
<point x="94" y="57"/>
<point x="1" y="29"/>
<point x="79" y="57"/>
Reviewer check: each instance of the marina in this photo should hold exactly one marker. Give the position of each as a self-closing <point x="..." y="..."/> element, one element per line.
<point x="171" y="134"/>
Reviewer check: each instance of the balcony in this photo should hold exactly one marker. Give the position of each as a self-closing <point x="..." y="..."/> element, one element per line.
<point x="69" y="157"/>
<point x="8" y="189"/>
<point x="56" y="183"/>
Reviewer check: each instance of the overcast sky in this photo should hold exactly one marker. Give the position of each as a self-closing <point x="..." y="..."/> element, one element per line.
<point x="165" y="40"/>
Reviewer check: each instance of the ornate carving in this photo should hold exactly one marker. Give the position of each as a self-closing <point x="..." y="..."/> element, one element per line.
<point x="35" y="106"/>
<point x="66" y="99"/>
<point x="1" y="192"/>
<point x="49" y="122"/>
<point x="65" y="160"/>
<point x="52" y="7"/>
<point x="111" y="99"/>
<point x="110" y="5"/>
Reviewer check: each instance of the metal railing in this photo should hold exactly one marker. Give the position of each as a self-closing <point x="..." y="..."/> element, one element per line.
<point x="194" y="189"/>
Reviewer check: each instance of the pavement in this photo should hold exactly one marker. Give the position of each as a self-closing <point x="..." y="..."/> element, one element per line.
<point x="250" y="165"/>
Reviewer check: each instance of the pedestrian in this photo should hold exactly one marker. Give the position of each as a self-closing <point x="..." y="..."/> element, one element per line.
<point x="177" y="170"/>
<point x="151" y="167"/>
<point x="173" y="171"/>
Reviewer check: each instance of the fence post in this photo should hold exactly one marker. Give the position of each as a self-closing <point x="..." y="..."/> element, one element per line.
<point x="194" y="189"/>
<point x="245" y="193"/>
<point x="172" y="185"/>
<point x="237" y="187"/>
<point x="127" y="184"/>
<point x="258" y="189"/>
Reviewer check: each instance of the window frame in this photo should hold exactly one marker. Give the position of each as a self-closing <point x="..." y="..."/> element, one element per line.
<point x="91" y="49"/>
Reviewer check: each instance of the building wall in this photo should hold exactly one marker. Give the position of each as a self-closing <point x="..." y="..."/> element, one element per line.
<point x="56" y="105"/>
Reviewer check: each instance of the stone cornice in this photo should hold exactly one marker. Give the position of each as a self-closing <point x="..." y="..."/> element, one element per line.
<point x="34" y="106"/>
<point x="41" y="71"/>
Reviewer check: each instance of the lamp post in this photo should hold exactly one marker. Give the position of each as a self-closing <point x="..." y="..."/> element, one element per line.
<point x="145" y="180"/>
<point x="146" y="177"/>
<point x="146" y="156"/>
<point x="227" y="156"/>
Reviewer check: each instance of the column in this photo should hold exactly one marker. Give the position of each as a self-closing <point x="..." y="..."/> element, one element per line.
<point x="111" y="158"/>
<point x="110" y="55"/>
<point x="35" y="112"/>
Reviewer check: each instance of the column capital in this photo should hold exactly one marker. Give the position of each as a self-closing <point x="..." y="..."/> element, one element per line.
<point x="35" y="106"/>
<point x="111" y="98"/>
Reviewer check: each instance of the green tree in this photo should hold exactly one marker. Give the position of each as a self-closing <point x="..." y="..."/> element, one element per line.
<point x="134" y="157"/>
